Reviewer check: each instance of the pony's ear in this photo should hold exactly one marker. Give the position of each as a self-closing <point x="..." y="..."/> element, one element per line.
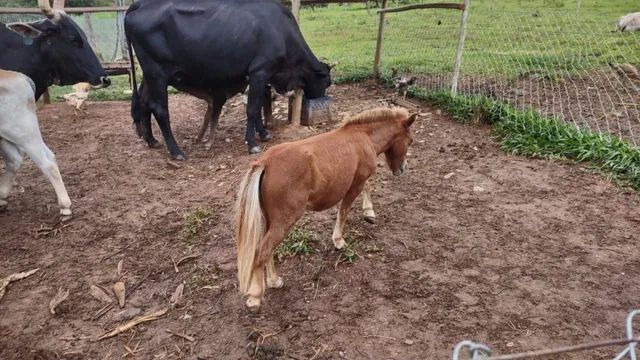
<point x="410" y="120"/>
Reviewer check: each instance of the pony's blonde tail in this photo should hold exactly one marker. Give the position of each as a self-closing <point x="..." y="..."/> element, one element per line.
<point x="249" y="223"/>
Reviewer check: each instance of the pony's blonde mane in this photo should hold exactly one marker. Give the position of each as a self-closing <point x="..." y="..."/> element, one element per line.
<point x="376" y="115"/>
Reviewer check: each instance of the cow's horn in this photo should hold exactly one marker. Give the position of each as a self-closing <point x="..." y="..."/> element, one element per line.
<point x="45" y="6"/>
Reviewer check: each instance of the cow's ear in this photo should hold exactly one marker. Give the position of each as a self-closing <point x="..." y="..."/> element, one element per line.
<point x="24" y="29"/>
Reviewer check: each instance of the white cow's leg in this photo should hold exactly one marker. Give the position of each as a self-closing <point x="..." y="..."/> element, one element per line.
<point x="367" y="205"/>
<point x="45" y="160"/>
<point x="13" y="160"/>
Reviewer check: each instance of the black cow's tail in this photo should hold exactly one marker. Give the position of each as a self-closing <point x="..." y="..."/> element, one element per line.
<point x="135" y="96"/>
<point x="134" y="82"/>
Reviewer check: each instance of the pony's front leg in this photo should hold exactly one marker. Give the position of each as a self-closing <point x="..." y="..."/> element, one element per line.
<point x="367" y="205"/>
<point x="345" y="205"/>
<point x="273" y="280"/>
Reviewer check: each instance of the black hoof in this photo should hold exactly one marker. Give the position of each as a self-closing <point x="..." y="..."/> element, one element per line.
<point x="154" y="144"/>
<point x="255" y="150"/>
<point x="370" y="220"/>
<point x="179" y="157"/>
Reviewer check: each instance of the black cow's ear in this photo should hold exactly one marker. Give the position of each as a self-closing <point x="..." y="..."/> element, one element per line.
<point x="24" y="29"/>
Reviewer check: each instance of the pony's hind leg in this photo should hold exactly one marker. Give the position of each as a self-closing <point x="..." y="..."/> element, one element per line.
<point x="13" y="160"/>
<point x="345" y="205"/>
<point x="273" y="280"/>
<point x="367" y="205"/>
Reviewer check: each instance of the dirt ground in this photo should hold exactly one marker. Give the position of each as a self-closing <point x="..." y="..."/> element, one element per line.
<point x="471" y="243"/>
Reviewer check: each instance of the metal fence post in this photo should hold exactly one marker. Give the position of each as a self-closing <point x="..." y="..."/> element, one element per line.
<point x="458" y="62"/>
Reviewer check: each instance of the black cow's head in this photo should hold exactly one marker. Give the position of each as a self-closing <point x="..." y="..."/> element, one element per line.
<point x="317" y="80"/>
<point x="63" y="47"/>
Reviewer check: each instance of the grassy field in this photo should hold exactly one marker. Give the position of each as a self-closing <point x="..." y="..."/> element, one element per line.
<point x="505" y="38"/>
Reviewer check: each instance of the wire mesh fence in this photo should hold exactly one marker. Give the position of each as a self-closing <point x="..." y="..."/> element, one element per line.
<point x="568" y="65"/>
<point x="104" y="30"/>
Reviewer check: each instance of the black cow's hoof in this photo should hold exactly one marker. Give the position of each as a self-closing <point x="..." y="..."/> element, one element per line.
<point x="154" y="144"/>
<point x="179" y="157"/>
<point x="255" y="150"/>
<point x="267" y="137"/>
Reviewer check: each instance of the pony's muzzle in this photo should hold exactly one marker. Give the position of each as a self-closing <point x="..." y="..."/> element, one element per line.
<point x="402" y="169"/>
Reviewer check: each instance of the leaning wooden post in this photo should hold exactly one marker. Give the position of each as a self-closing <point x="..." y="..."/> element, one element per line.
<point x="458" y="62"/>
<point x="376" y="61"/>
<point x="296" y="109"/>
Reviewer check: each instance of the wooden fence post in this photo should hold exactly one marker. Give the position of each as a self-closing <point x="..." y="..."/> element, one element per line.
<point x="296" y="109"/>
<point x="459" y="51"/>
<point x="376" y="62"/>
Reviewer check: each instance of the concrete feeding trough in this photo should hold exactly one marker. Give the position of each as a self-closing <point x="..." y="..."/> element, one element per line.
<point x="313" y="110"/>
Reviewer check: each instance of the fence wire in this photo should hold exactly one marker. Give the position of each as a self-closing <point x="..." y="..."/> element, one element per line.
<point x="105" y="31"/>
<point x="475" y="351"/>
<point x="571" y="66"/>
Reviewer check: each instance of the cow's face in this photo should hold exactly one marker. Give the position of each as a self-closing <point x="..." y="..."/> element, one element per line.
<point x="319" y="81"/>
<point x="64" y="49"/>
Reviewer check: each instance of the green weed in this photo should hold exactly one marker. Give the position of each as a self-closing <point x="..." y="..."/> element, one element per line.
<point x="193" y="223"/>
<point x="298" y="242"/>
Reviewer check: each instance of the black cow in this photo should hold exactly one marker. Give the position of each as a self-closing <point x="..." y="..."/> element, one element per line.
<point x="213" y="49"/>
<point x="50" y="51"/>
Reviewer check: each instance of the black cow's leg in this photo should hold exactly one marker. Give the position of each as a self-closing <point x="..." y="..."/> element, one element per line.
<point x="267" y="110"/>
<point x="159" y="104"/>
<point x="216" y="109"/>
<point x="144" y="118"/>
<point x="257" y="86"/>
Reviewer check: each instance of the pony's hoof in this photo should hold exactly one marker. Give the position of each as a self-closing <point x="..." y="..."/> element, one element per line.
<point x="65" y="214"/>
<point x="266" y="137"/>
<point x="339" y="243"/>
<point x="255" y="150"/>
<point x="253" y="304"/>
<point x="179" y="157"/>
<point x="4" y="205"/>
<point x="277" y="284"/>
<point x="208" y="146"/>
<point x="370" y="219"/>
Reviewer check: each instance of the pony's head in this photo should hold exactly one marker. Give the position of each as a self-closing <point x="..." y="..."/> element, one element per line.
<point x="396" y="154"/>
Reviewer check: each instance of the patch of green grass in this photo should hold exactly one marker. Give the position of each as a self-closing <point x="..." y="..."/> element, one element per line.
<point x="530" y="134"/>
<point x="298" y="243"/>
<point x="194" y="221"/>
<point x="348" y="254"/>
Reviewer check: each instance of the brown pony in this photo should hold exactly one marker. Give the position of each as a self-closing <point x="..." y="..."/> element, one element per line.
<point x="312" y="174"/>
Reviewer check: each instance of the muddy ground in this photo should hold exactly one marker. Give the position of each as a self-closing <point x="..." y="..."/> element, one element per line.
<point x="471" y="244"/>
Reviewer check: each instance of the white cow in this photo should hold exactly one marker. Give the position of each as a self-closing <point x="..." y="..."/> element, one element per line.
<point x="20" y="134"/>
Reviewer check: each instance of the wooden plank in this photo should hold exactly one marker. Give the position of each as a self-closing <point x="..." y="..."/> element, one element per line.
<point x="296" y="110"/>
<point x="376" y="61"/>
<point x="458" y="61"/>
<point x="453" y="6"/>
<point x="69" y="10"/>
